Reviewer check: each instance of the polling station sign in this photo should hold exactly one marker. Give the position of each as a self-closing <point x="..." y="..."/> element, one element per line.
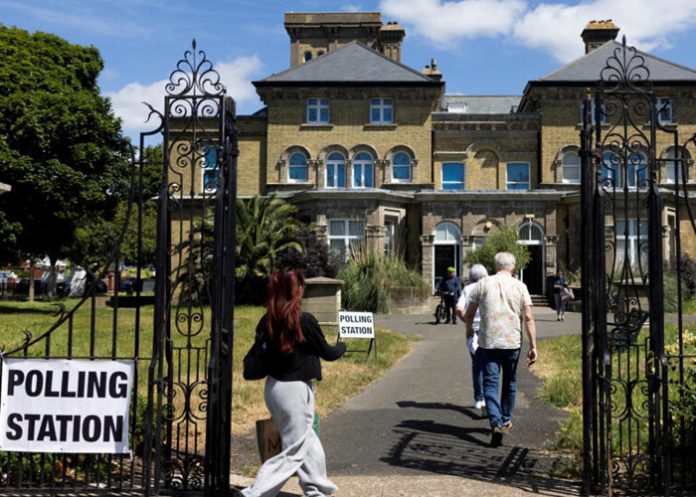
<point x="67" y="406"/>
<point x="356" y="325"/>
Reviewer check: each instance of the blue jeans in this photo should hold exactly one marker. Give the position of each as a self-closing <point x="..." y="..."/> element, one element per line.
<point x="492" y="361"/>
<point x="477" y="375"/>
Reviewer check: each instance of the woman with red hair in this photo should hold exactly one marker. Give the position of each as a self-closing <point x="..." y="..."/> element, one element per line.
<point x="295" y="345"/>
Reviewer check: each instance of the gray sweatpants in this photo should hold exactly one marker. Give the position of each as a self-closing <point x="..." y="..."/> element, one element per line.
<point x="291" y="404"/>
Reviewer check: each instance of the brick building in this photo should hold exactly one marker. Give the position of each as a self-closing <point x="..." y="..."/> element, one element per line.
<point x="375" y="153"/>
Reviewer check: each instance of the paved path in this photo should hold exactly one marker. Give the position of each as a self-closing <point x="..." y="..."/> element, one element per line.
<point x="415" y="432"/>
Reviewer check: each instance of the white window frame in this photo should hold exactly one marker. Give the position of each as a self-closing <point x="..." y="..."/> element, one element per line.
<point x="291" y="166"/>
<point x="336" y="163"/>
<point x="442" y="176"/>
<point x="508" y="182"/>
<point x="603" y="116"/>
<point x="669" y="162"/>
<point x="381" y="105"/>
<point x="409" y="166"/>
<point x="361" y="164"/>
<point x="346" y="237"/>
<point x="207" y="168"/>
<point x="564" y="167"/>
<point x="668" y="110"/>
<point x="633" y="240"/>
<point x="318" y="105"/>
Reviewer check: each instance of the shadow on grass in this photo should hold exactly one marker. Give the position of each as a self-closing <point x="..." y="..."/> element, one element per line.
<point x="19" y="308"/>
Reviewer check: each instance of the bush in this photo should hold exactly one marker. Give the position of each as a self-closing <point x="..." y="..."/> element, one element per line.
<point x="316" y="260"/>
<point x="688" y="274"/>
<point x="370" y="279"/>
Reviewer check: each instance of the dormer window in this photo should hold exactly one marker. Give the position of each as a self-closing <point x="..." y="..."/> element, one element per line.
<point x="381" y="111"/>
<point x="318" y="111"/>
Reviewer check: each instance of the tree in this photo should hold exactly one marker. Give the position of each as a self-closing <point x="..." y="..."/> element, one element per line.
<point x="503" y="240"/>
<point x="61" y="147"/>
<point x="266" y="228"/>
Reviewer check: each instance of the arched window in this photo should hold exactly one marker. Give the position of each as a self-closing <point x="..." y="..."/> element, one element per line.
<point x="297" y="170"/>
<point x="447" y="233"/>
<point x="634" y="172"/>
<point x="335" y="170"/>
<point x="363" y="171"/>
<point x="401" y="168"/>
<point x="571" y="167"/>
<point x="307" y="56"/>
<point x="530" y="234"/>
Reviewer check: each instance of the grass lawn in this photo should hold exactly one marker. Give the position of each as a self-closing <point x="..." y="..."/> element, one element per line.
<point x="561" y="372"/>
<point x="342" y="379"/>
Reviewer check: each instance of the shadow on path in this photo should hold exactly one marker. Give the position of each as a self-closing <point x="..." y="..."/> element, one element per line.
<point x="446" y="449"/>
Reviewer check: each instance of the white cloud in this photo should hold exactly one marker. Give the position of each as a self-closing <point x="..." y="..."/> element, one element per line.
<point x="351" y="7"/>
<point x="556" y="27"/>
<point x="446" y="22"/>
<point x="236" y="75"/>
<point x="551" y="27"/>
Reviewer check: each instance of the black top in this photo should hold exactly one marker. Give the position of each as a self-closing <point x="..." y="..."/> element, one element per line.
<point x="303" y="364"/>
<point x="558" y="283"/>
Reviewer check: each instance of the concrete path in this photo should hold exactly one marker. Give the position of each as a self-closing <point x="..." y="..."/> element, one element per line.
<point x="415" y="432"/>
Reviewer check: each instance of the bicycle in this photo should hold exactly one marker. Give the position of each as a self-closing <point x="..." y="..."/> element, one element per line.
<point x="441" y="309"/>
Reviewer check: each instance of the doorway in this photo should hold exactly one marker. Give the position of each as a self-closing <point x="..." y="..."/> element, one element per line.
<point x="447" y="251"/>
<point x="532" y="235"/>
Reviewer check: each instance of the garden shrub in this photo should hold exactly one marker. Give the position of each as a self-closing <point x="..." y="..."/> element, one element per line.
<point x="368" y="281"/>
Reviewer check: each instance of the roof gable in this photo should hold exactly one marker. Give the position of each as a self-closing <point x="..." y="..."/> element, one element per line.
<point x="351" y="63"/>
<point x="589" y="66"/>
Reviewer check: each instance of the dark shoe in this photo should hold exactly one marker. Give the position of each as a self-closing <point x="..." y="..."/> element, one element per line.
<point x="496" y="436"/>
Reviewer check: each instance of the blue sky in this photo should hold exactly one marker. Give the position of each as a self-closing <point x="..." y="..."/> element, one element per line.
<point x="483" y="47"/>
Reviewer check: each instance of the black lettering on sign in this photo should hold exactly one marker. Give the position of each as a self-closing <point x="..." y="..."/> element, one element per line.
<point x="16" y="378"/>
<point x="95" y="424"/>
<point x="113" y="427"/>
<point x="96" y="383"/>
<point x="13" y="424"/>
<point x="118" y="389"/>
<point x="64" y="387"/>
<point x="63" y="422"/>
<point x="34" y="383"/>
<point x="49" y="385"/>
<point x="47" y="431"/>
<point x="32" y="419"/>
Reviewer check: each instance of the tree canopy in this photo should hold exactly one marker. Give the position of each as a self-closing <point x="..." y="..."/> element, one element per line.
<point x="61" y="147"/>
<point x="503" y="240"/>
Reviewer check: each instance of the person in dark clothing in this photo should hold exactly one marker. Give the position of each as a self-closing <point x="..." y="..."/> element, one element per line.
<point x="295" y="346"/>
<point x="559" y="283"/>
<point x="450" y="288"/>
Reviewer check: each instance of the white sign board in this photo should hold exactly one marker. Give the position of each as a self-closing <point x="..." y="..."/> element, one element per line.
<point x="65" y="406"/>
<point x="356" y="325"/>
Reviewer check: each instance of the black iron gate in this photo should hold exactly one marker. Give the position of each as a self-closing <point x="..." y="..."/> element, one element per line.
<point x="180" y="415"/>
<point x="637" y="376"/>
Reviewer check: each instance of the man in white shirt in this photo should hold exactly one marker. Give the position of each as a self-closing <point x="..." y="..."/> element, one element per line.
<point x="504" y="302"/>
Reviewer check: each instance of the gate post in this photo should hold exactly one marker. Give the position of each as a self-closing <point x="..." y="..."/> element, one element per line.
<point x="219" y="421"/>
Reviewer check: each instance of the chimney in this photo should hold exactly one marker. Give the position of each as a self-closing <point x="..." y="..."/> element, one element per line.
<point x="390" y="38"/>
<point x="597" y="33"/>
<point x="431" y="71"/>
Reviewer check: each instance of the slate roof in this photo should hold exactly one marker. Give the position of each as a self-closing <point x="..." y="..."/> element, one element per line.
<point x="352" y="63"/>
<point x="481" y="104"/>
<point x="589" y="66"/>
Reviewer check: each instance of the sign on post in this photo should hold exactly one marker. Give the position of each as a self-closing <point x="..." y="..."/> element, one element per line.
<point x="357" y="325"/>
<point x="65" y="406"/>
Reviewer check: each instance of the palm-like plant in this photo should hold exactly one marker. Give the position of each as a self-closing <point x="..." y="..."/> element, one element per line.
<point x="266" y="227"/>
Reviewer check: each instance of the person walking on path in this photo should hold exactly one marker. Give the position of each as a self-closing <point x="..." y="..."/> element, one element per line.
<point x="296" y="343"/>
<point x="559" y="283"/>
<point x="504" y="302"/>
<point x="477" y="272"/>
<point x="450" y="288"/>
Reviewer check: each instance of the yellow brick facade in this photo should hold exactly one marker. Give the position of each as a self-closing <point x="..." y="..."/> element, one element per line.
<point x="421" y="220"/>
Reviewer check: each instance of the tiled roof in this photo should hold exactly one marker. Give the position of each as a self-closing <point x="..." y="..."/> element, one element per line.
<point x="351" y="63"/>
<point x="589" y="66"/>
<point x="481" y="104"/>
